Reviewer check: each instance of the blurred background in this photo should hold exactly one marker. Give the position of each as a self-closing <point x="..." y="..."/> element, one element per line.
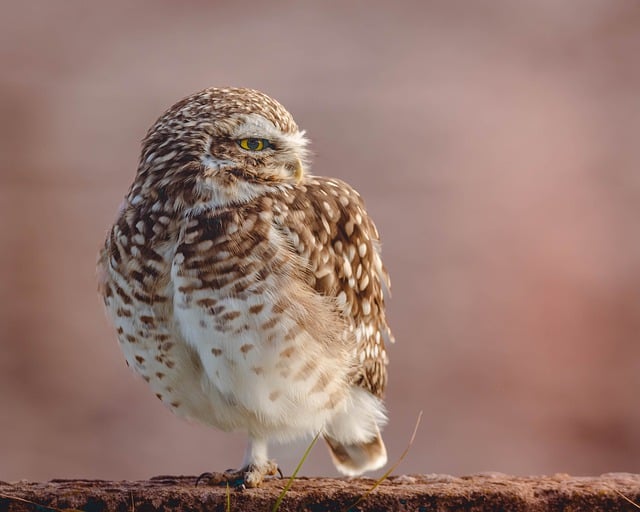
<point x="495" y="143"/>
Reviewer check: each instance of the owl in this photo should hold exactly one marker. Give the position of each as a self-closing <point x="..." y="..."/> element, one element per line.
<point x="247" y="292"/>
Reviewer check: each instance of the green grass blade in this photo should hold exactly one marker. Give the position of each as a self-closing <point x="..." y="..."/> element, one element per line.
<point x="278" y="502"/>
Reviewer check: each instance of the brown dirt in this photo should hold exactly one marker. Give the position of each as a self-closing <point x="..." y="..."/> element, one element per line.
<point x="610" y="492"/>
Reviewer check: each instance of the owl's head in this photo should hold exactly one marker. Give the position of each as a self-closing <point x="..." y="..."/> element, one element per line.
<point x="222" y="145"/>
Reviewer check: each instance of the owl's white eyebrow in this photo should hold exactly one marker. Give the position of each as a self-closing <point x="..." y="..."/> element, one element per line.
<point x="256" y="126"/>
<point x="296" y="140"/>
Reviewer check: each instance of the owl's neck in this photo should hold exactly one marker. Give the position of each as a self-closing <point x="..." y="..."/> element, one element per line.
<point x="199" y="185"/>
<point x="193" y="197"/>
<point x="214" y="193"/>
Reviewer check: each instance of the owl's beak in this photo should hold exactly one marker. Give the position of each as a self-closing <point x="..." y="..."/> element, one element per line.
<point x="298" y="171"/>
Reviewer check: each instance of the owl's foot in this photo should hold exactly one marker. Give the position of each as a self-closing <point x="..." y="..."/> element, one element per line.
<point x="255" y="473"/>
<point x="250" y="476"/>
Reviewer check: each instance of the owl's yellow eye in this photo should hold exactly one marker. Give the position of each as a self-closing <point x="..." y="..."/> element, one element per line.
<point x="252" y="144"/>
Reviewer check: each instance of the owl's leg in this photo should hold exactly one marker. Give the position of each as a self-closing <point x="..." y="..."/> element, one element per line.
<point x="256" y="464"/>
<point x="254" y="468"/>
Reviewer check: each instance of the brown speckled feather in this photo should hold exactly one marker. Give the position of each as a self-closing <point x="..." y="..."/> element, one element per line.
<point x="326" y="223"/>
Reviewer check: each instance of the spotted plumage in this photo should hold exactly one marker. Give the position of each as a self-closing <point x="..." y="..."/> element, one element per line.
<point x="245" y="291"/>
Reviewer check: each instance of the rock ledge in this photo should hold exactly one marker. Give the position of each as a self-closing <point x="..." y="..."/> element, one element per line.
<point x="480" y="492"/>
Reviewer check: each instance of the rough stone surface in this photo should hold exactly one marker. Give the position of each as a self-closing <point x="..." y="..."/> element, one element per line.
<point x="494" y="491"/>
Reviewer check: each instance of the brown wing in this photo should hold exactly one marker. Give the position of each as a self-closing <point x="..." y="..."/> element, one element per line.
<point x="327" y="225"/>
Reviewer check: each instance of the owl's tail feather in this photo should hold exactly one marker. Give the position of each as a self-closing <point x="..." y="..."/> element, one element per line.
<point x="355" y="458"/>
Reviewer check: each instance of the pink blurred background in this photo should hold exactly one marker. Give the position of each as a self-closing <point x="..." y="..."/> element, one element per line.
<point x="496" y="144"/>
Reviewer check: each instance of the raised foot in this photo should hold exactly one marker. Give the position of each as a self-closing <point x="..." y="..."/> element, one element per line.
<point x="250" y="476"/>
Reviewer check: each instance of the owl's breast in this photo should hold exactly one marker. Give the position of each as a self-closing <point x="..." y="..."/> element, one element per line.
<point x="273" y="350"/>
<point x="136" y="285"/>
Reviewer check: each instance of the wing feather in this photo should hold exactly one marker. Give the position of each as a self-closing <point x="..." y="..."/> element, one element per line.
<point x="326" y="223"/>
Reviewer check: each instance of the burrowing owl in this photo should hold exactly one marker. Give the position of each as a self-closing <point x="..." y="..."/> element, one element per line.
<point x="245" y="291"/>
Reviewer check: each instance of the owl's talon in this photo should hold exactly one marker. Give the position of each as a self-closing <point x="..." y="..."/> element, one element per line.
<point x="233" y="478"/>
<point x="280" y="473"/>
<point x="204" y="475"/>
<point x="248" y="477"/>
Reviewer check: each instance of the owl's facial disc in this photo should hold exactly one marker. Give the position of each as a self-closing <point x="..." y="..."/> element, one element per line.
<point x="255" y="148"/>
